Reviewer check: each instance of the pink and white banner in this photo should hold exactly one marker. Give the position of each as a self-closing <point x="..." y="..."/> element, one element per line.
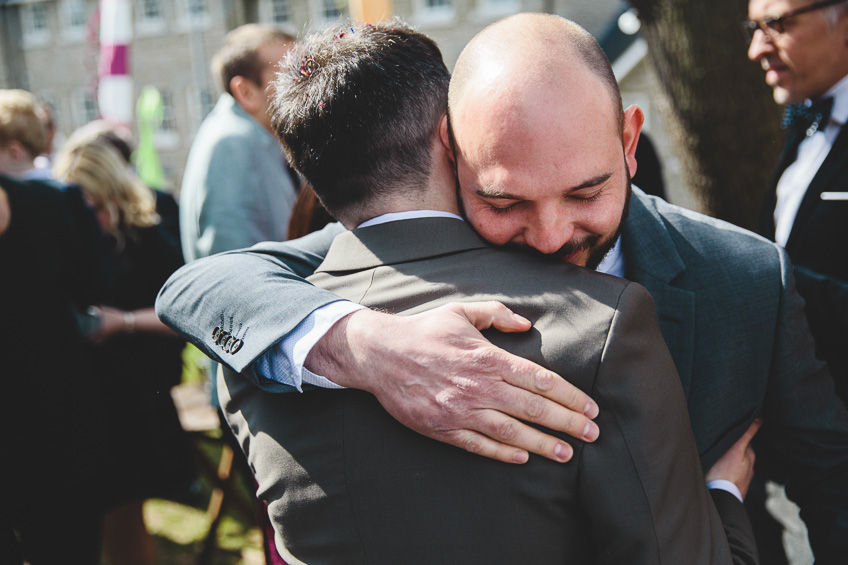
<point x="115" y="89"/>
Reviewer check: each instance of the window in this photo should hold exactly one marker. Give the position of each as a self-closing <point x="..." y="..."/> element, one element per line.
<point x="90" y="110"/>
<point x="199" y="104"/>
<point x="36" y="24"/>
<point x="435" y="12"/>
<point x="331" y="10"/>
<point x="167" y="136"/>
<point x="84" y="107"/>
<point x="150" y="17"/>
<point x="74" y="17"/>
<point x="151" y="10"/>
<point x="194" y="14"/>
<point x="281" y="11"/>
<point x="197" y="8"/>
<point x="169" y="122"/>
<point x="39" y="18"/>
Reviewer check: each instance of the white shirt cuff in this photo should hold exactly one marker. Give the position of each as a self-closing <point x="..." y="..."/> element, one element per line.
<point x="300" y="341"/>
<point x="721" y="484"/>
<point x="283" y="362"/>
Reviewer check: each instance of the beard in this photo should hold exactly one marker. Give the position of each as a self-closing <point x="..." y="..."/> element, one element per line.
<point x="599" y="248"/>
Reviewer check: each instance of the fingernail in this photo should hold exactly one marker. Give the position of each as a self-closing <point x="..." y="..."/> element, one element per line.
<point x="520" y="457"/>
<point x="591" y="431"/>
<point x="591" y="410"/>
<point x="563" y="451"/>
<point x="520" y="318"/>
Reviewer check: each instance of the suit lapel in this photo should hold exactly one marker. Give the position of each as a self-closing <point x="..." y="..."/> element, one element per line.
<point x="399" y="242"/>
<point x="652" y="260"/>
<point x="823" y="179"/>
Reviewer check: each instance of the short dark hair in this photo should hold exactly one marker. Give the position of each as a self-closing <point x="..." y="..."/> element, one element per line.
<point x="357" y="107"/>
<point x="237" y="56"/>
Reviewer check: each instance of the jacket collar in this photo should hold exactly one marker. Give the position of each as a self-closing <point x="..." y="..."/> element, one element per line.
<point x="399" y="242"/>
<point x="652" y="259"/>
<point x="649" y="253"/>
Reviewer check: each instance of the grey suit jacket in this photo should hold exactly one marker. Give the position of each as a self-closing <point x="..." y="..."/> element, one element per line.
<point x="345" y="483"/>
<point x="727" y="309"/>
<point x="236" y="189"/>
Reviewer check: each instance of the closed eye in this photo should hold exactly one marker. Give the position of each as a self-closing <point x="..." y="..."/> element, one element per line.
<point x="501" y="210"/>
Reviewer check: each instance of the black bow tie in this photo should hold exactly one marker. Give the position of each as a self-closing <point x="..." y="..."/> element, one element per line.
<point x="809" y="118"/>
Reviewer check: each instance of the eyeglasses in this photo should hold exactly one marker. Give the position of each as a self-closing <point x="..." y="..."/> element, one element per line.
<point x="773" y="25"/>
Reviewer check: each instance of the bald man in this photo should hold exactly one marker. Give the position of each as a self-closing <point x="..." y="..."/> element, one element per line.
<point x="554" y="181"/>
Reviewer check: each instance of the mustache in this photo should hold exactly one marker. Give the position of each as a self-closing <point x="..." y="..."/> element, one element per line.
<point x="560" y="254"/>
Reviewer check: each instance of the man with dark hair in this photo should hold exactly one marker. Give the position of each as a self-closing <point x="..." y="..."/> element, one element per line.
<point x="536" y="168"/>
<point x="237" y="189"/>
<point x="358" y="110"/>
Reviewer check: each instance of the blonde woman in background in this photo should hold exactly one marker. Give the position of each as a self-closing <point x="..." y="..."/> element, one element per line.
<point x="136" y="358"/>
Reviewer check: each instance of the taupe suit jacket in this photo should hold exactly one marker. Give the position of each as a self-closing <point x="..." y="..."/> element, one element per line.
<point x="346" y="483"/>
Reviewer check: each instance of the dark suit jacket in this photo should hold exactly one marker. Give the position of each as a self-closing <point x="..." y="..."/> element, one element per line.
<point x="727" y="309"/>
<point x="345" y="483"/>
<point x="816" y="247"/>
<point x="737" y="332"/>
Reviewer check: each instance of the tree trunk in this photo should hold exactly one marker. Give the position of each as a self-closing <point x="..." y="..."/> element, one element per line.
<point x="724" y="121"/>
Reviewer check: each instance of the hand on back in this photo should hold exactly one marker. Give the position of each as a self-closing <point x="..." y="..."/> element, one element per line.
<point x="435" y="373"/>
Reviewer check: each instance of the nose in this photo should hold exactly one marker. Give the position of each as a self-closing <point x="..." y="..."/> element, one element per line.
<point x="760" y="45"/>
<point x="548" y="232"/>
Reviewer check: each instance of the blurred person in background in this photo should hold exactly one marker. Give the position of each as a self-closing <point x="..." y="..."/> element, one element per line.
<point x="136" y="359"/>
<point x="23" y="135"/>
<point x="52" y="255"/>
<point x="120" y="137"/>
<point x="802" y="45"/>
<point x="44" y="161"/>
<point x="238" y="189"/>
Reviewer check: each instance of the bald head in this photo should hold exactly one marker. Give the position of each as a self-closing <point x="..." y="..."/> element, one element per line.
<point x="520" y="56"/>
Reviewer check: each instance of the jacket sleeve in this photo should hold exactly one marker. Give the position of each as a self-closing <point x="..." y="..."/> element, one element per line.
<point x="737" y="527"/>
<point x="255" y="295"/>
<point x="641" y="482"/>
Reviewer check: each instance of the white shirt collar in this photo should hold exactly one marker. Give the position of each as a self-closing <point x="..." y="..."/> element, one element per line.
<point x="613" y="262"/>
<point x="839" y="91"/>
<point x="408" y="215"/>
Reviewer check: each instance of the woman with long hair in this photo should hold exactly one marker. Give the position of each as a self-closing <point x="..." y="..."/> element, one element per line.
<point x="136" y="358"/>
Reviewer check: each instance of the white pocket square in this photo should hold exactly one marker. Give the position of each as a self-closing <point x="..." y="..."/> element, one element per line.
<point x="834" y="195"/>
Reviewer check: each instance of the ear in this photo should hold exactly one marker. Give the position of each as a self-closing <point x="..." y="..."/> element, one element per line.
<point x="633" y="121"/>
<point x="17" y="151"/>
<point x="444" y="135"/>
<point x="247" y="94"/>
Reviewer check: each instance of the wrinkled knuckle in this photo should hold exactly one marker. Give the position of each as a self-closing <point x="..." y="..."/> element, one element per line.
<point x="507" y="430"/>
<point x="449" y="404"/>
<point x="544" y="381"/>
<point x="536" y="407"/>
<point x="472" y="445"/>
<point x="485" y="357"/>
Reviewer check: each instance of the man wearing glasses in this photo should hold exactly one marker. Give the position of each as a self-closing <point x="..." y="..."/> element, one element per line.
<point x="803" y="48"/>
